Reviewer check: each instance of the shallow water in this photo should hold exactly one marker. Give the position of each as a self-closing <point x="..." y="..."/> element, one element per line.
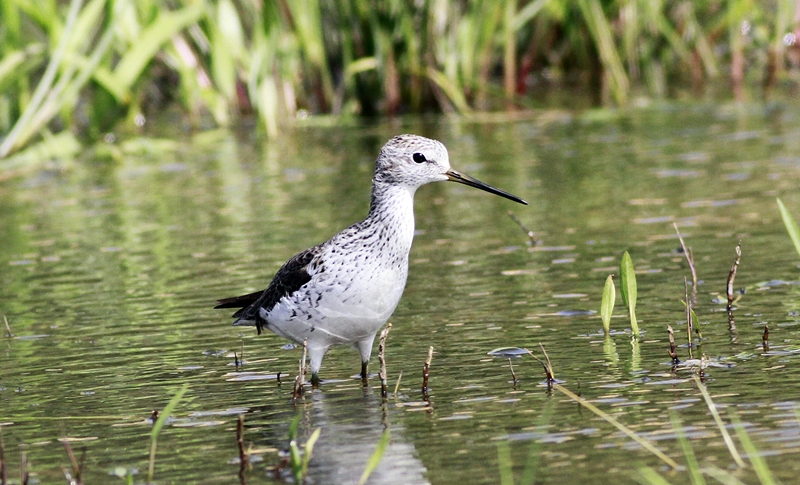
<point x="109" y="271"/>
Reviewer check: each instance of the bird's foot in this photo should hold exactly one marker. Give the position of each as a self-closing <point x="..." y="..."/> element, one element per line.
<point x="315" y="380"/>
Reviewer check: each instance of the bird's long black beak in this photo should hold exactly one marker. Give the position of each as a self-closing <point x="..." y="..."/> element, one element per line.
<point x="454" y="176"/>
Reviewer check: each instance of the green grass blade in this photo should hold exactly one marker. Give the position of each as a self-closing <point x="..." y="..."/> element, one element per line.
<point x="601" y="31"/>
<point x="535" y="448"/>
<point x="791" y="225"/>
<point x="648" y="476"/>
<point x="628" y="289"/>
<point x="11" y="61"/>
<point x="647" y="445"/>
<point x="450" y="89"/>
<point x="607" y="303"/>
<point x="296" y="461"/>
<point x="166" y="25"/>
<point x="695" y="473"/>
<point x="162" y="418"/>
<point x="12" y="140"/>
<point x="759" y="464"/>
<point x="376" y="457"/>
<point x="167" y="411"/>
<point x="504" y="463"/>
<point x="722" y="476"/>
<point x="723" y="431"/>
<point x="310" y="449"/>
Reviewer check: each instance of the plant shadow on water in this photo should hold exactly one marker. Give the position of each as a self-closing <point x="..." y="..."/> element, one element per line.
<point x="108" y="273"/>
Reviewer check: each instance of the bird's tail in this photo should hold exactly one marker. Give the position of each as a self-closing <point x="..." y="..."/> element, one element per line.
<point x="242" y="301"/>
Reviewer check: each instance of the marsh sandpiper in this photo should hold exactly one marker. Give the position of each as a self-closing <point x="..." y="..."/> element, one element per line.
<point x="344" y="290"/>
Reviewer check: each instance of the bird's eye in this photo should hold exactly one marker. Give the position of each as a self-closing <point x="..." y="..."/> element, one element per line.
<point x="419" y="158"/>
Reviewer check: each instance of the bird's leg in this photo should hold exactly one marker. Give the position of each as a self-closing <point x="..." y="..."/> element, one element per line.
<point x="365" y="349"/>
<point x="315" y="354"/>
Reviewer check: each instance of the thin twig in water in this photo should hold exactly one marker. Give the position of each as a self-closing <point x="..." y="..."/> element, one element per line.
<point x="533" y="241"/>
<point x="24" y="476"/>
<point x="610" y="419"/>
<point x="382" y="359"/>
<point x="729" y="291"/>
<point x="551" y="374"/>
<point x="689" y="259"/>
<point x="3" y="474"/>
<point x="725" y="435"/>
<point x="548" y="370"/>
<point x="688" y="303"/>
<point x="8" y="328"/>
<point x="513" y="374"/>
<point x="244" y="458"/>
<point x="672" y="353"/>
<point x="426" y="369"/>
<point x="77" y="466"/>
<point x="301" y="375"/>
<point x="732" y="275"/>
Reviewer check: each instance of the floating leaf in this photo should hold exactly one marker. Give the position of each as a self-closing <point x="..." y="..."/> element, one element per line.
<point x="508" y="352"/>
<point x="607" y="303"/>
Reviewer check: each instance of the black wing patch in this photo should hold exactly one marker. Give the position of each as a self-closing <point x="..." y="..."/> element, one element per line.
<point x="290" y="278"/>
<point x="239" y="301"/>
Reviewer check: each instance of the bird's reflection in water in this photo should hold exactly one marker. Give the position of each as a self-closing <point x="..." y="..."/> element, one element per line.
<point x="352" y="424"/>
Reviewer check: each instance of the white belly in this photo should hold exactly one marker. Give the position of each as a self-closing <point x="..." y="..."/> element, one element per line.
<point x="326" y="312"/>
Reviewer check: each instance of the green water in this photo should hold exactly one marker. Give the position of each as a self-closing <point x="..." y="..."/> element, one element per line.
<point x="109" y="271"/>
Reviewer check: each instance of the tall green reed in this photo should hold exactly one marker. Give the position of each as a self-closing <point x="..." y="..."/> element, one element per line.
<point x="229" y="59"/>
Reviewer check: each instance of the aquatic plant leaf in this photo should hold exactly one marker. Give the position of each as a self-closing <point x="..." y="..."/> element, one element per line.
<point x="375" y="458"/>
<point x="166" y="25"/>
<point x="695" y="473"/>
<point x="504" y="463"/>
<point x="167" y="411"/>
<point x="712" y="407"/>
<point x="162" y="418"/>
<point x="756" y="459"/>
<point x="644" y="442"/>
<point x="628" y="289"/>
<point x="607" y="303"/>
<point x="722" y="476"/>
<point x="309" y="449"/>
<point x="649" y="476"/>
<point x="791" y="225"/>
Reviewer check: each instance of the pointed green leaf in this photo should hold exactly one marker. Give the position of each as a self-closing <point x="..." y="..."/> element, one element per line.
<point x="162" y="418"/>
<point x="628" y="289"/>
<point x="607" y="303"/>
<point x="167" y="411"/>
<point x="791" y="225"/>
<point x="309" y="449"/>
<point x="504" y="463"/>
<point x="166" y="25"/>
<point x="757" y="461"/>
<point x="376" y="457"/>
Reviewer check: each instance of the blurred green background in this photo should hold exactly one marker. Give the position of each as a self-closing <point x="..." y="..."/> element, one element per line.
<point x="72" y="71"/>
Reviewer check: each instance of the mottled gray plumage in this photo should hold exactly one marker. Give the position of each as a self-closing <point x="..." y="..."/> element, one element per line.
<point x="345" y="289"/>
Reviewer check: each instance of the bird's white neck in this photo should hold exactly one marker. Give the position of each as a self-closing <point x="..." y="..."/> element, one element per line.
<point x="393" y="207"/>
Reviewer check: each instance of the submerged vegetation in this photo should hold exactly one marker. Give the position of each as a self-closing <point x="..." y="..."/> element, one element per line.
<point x="82" y="67"/>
